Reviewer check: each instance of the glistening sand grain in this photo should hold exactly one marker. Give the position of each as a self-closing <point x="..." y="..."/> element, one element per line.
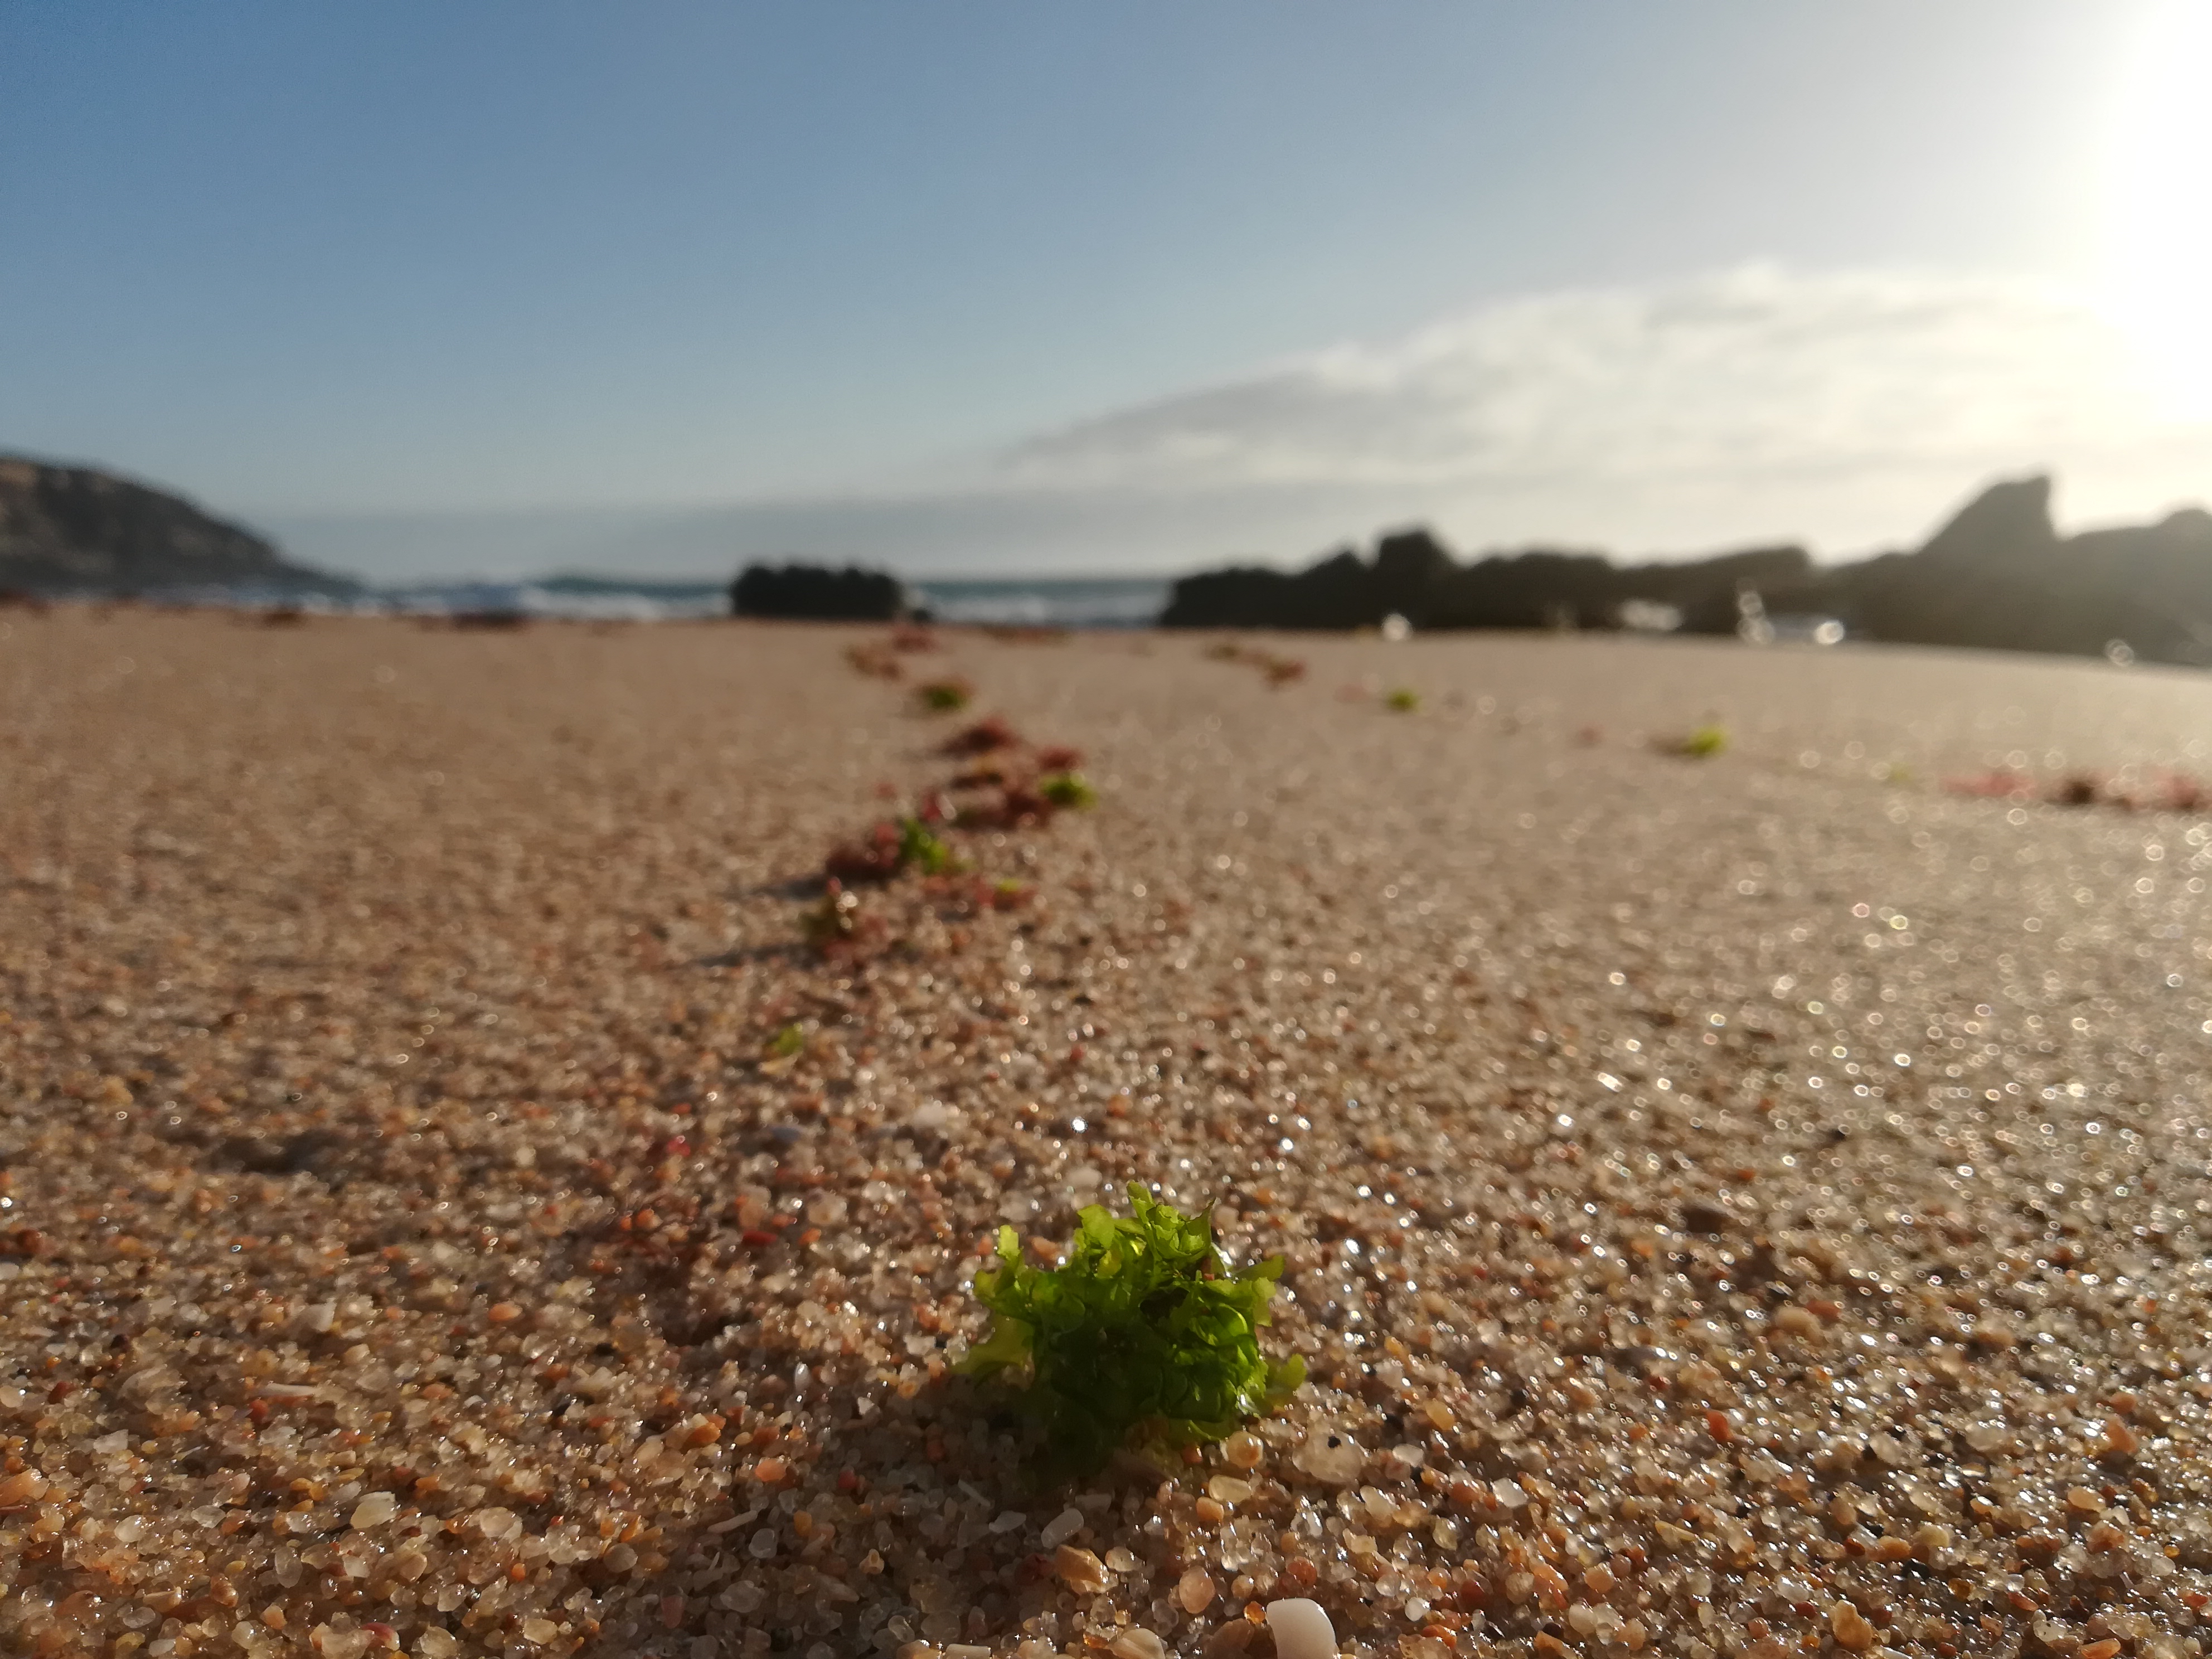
<point x="1749" y="1207"/>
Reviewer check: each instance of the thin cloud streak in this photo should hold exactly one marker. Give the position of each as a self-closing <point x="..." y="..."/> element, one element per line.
<point x="1756" y="383"/>
<point x="1847" y="410"/>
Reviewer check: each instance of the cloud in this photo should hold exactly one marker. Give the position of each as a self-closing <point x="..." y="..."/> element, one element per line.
<point x="1846" y="410"/>
<point x="1756" y="387"/>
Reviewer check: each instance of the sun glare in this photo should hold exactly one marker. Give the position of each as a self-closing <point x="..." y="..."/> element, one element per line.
<point x="2159" y="235"/>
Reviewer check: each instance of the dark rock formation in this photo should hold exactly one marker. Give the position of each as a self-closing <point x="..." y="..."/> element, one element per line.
<point x="1413" y="575"/>
<point x="805" y="592"/>
<point x="77" y="530"/>
<point x="2000" y="577"/>
<point x="1997" y="576"/>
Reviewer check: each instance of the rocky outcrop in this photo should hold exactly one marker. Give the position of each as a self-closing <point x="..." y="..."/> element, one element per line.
<point x="1999" y="576"/>
<point x="805" y="592"/>
<point x="1414" y="575"/>
<point x="79" y="530"/>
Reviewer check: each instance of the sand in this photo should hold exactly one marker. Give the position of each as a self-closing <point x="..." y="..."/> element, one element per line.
<point x="1741" y="1206"/>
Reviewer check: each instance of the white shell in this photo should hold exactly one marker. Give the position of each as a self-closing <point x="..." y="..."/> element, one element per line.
<point x="1302" y="1629"/>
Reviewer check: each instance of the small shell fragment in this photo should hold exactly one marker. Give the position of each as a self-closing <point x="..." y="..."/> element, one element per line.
<point x="1301" y="1630"/>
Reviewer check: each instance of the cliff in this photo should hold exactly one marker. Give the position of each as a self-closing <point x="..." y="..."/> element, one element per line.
<point x="78" y="530"/>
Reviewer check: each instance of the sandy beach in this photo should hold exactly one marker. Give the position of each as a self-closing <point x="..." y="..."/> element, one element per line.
<point x="1740" y="1206"/>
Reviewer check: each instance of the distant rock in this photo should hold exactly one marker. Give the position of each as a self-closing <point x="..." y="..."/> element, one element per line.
<point x="1997" y="576"/>
<point x="805" y="592"/>
<point x="1414" y="575"/>
<point x="2005" y="527"/>
<point x="79" y="530"/>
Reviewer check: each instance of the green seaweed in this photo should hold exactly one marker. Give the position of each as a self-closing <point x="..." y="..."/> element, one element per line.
<point x="1070" y="789"/>
<point x="945" y="697"/>
<point x="920" y="849"/>
<point x="1140" y="1339"/>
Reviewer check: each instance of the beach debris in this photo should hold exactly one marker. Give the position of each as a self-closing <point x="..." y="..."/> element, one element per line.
<point x="889" y="849"/>
<point x="1402" y="701"/>
<point x="1017" y="804"/>
<point x="2158" y="791"/>
<point x="945" y="696"/>
<point x="875" y="857"/>
<point x="837" y="926"/>
<point x="1702" y="743"/>
<point x="1068" y="789"/>
<point x="911" y="637"/>
<point x="921" y="850"/>
<point x="971" y="894"/>
<point x="1008" y="894"/>
<point x="1998" y="783"/>
<point x="876" y="660"/>
<point x="1301" y="1629"/>
<point x="1143" y="1340"/>
<point x="1277" y="671"/>
<point x="983" y="738"/>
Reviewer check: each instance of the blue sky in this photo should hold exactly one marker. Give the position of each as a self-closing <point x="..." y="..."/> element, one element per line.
<point x="962" y="285"/>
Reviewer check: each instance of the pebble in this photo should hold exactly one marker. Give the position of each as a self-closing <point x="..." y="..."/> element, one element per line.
<point x="1334" y="1460"/>
<point x="1850" y="1627"/>
<point x="1301" y="1629"/>
<point x="1243" y="1451"/>
<point x="1062" y="1528"/>
<point x="1080" y="1570"/>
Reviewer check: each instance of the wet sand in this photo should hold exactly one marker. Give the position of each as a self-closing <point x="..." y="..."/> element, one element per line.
<point x="1741" y="1206"/>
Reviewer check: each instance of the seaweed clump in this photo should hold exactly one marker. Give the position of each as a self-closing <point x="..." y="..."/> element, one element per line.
<point x="945" y="697"/>
<point x="838" y="928"/>
<point x="2163" y="792"/>
<point x="1277" y="671"/>
<point x="1703" y="743"/>
<point x="1142" y="1340"/>
<point x="983" y="738"/>
<point x="1069" y="790"/>
<point x="890" y="848"/>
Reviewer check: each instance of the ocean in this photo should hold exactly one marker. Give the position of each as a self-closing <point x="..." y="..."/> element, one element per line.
<point x="1039" y="602"/>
